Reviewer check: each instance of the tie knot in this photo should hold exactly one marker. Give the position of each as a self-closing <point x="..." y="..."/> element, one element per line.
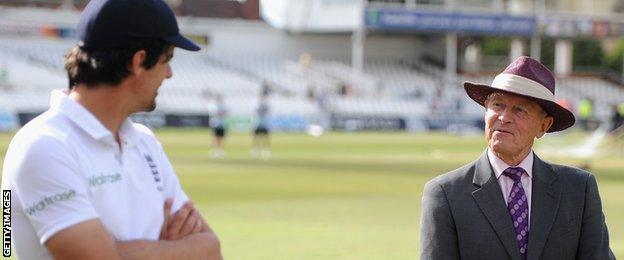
<point x="515" y="173"/>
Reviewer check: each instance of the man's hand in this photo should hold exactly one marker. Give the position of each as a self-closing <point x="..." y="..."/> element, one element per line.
<point x="184" y="222"/>
<point x="185" y="234"/>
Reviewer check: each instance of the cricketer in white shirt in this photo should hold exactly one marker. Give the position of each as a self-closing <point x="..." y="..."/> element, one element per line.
<point x="64" y="167"/>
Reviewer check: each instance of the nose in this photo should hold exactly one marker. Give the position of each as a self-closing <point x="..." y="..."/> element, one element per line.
<point x="505" y="116"/>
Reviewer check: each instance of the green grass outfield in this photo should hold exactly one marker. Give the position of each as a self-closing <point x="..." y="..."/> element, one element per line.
<point x="342" y="195"/>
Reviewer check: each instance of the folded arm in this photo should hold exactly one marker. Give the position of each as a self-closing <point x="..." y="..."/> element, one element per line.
<point x="203" y="245"/>
<point x="184" y="235"/>
<point x="91" y="240"/>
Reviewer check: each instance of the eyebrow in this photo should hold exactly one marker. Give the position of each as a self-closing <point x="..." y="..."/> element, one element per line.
<point x="526" y="105"/>
<point x="491" y="98"/>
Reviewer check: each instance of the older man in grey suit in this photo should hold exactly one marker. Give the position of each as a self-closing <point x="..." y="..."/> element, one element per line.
<point x="509" y="204"/>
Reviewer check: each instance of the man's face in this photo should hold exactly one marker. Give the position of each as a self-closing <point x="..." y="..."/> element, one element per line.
<point x="154" y="78"/>
<point x="512" y="123"/>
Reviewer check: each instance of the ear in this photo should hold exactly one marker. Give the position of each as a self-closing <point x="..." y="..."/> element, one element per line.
<point x="547" y="122"/>
<point x="137" y="60"/>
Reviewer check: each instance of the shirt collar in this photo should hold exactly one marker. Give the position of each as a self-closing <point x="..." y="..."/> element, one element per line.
<point x="499" y="165"/>
<point x="128" y="133"/>
<point x="60" y="101"/>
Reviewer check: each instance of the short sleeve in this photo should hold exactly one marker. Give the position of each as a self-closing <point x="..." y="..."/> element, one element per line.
<point x="52" y="192"/>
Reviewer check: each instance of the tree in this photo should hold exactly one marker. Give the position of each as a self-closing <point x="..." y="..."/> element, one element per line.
<point x="615" y="58"/>
<point x="496" y="46"/>
<point x="587" y="53"/>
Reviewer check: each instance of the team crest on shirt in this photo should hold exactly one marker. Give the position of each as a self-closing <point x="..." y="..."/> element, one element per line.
<point x="155" y="173"/>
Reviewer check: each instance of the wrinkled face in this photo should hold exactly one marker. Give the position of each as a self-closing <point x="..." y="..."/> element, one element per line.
<point x="153" y="78"/>
<point x="512" y="123"/>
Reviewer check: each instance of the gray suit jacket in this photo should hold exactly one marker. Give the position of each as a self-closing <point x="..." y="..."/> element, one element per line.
<point x="464" y="216"/>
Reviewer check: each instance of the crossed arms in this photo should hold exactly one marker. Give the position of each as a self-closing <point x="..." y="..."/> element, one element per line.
<point x="184" y="235"/>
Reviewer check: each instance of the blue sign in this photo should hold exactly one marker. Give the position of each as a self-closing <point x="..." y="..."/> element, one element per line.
<point x="445" y="21"/>
<point x="289" y="123"/>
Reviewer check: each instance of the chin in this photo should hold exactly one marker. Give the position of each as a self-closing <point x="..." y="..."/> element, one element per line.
<point x="498" y="147"/>
<point x="151" y="108"/>
<point x="148" y="108"/>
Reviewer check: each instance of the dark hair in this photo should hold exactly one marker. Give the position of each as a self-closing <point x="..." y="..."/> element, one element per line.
<point x="109" y="66"/>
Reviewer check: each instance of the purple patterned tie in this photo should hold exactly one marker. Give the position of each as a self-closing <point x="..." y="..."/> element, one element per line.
<point x="518" y="208"/>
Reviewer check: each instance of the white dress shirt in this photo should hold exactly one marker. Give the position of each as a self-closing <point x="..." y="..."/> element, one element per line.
<point x="506" y="183"/>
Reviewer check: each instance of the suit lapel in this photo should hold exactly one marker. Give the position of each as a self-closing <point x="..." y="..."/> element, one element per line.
<point x="488" y="196"/>
<point x="545" y="200"/>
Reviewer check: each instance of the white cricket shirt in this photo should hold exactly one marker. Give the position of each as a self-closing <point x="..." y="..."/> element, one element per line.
<point x="64" y="167"/>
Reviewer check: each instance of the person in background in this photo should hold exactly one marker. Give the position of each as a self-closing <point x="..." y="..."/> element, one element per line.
<point x="217" y="122"/>
<point x="586" y="113"/>
<point x="261" y="139"/>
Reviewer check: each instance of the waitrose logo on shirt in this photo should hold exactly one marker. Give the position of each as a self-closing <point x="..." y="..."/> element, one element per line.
<point x="46" y="201"/>
<point x="102" y="179"/>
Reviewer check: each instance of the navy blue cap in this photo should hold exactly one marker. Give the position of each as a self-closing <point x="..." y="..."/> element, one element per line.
<point x="115" y="23"/>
